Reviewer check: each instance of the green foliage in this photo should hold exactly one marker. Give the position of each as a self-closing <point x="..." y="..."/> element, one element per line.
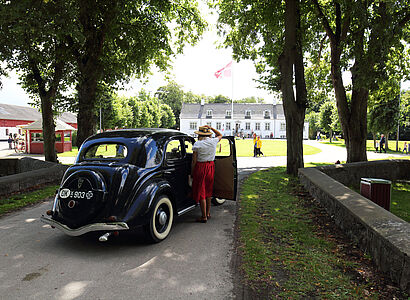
<point x="314" y="125"/>
<point x="328" y="117"/>
<point x="142" y="111"/>
<point x="220" y="99"/>
<point x="384" y="108"/>
<point x="318" y="82"/>
<point x="405" y="108"/>
<point x="251" y="100"/>
<point x="172" y="95"/>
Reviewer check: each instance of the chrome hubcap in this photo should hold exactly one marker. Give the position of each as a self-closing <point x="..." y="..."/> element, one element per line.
<point x="162" y="219"/>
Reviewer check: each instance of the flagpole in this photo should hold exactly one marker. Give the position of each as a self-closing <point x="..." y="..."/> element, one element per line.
<point x="234" y="125"/>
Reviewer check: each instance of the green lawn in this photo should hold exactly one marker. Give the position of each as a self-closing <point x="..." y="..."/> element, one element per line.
<point x="243" y="148"/>
<point x="284" y="255"/>
<point x="269" y="148"/>
<point x="369" y="145"/>
<point x="400" y="200"/>
<point x="14" y="202"/>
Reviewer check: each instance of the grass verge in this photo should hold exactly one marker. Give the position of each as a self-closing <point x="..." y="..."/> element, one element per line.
<point x="18" y="201"/>
<point x="400" y="200"/>
<point x="290" y="249"/>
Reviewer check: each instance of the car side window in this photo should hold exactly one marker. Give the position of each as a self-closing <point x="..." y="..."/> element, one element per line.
<point x="188" y="146"/>
<point x="223" y="148"/>
<point x="106" y="151"/>
<point x="173" y="150"/>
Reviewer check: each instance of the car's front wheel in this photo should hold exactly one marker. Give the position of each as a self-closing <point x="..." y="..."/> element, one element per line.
<point x="161" y="220"/>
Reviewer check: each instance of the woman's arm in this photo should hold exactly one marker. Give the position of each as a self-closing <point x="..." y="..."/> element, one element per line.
<point x="217" y="133"/>
<point x="193" y="163"/>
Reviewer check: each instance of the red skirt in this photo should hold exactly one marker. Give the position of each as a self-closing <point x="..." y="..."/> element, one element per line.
<point x="203" y="180"/>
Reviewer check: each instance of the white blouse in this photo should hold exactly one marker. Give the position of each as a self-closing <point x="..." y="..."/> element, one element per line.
<point x="206" y="149"/>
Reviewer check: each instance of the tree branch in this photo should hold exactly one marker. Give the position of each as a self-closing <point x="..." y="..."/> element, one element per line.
<point x="325" y="21"/>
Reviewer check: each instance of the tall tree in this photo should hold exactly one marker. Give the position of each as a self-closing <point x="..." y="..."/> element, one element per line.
<point x="173" y="95"/>
<point x="30" y="39"/>
<point x="361" y="36"/>
<point x="328" y="119"/>
<point x="384" y="109"/>
<point x="117" y="39"/>
<point x="254" y="29"/>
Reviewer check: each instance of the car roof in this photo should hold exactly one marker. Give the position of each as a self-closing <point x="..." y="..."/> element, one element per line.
<point x="135" y="133"/>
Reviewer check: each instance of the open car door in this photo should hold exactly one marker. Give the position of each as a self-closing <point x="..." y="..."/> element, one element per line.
<point x="226" y="174"/>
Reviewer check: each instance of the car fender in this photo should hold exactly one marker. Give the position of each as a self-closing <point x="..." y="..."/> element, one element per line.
<point x="141" y="205"/>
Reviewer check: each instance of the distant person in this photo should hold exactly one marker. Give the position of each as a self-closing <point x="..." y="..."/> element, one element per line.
<point x="10" y="141"/>
<point x="15" y="140"/>
<point x="259" y="146"/>
<point x="382" y="142"/>
<point x="406" y="148"/>
<point x="255" y="149"/>
<point x="377" y="146"/>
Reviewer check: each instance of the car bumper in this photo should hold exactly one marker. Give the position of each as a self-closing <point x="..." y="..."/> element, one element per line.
<point x="112" y="226"/>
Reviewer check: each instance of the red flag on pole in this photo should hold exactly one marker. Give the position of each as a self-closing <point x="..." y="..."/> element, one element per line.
<point x="224" y="72"/>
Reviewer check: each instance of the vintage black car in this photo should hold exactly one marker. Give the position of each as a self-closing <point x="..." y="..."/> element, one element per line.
<point x="124" y="179"/>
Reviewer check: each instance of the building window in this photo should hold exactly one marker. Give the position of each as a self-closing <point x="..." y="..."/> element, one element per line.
<point x="209" y="114"/>
<point x="228" y="114"/>
<point x="267" y="114"/>
<point x="247" y="126"/>
<point x="192" y="125"/>
<point x="37" y="137"/>
<point x="267" y="126"/>
<point x="282" y="126"/>
<point x="247" y="114"/>
<point x="218" y="125"/>
<point x="257" y="126"/>
<point x="228" y="126"/>
<point x="209" y="124"/>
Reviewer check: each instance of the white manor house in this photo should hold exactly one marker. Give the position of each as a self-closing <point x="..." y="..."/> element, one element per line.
<point x="266" y="120"/>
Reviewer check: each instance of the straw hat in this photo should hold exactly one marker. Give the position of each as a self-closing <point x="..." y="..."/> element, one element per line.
<point x="203" y="130"/>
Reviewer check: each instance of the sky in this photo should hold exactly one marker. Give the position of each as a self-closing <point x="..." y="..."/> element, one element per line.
<point x="194" y="71"/>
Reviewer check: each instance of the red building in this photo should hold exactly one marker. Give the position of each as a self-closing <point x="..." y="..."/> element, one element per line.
<point x="13" y="115"/>
<point x="33" y="137"/>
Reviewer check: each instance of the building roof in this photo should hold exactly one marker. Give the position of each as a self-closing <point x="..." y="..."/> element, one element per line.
<point x="197" y="111"/>
<point x="38" y="125"/>
<point x="25" y="113"/>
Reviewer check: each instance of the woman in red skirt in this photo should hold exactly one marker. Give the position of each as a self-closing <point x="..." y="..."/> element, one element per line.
<point x="203" y="169"/>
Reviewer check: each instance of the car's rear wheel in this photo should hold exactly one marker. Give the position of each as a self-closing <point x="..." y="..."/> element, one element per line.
<point x="161" y="220"/>
<point x="218" y="201"/>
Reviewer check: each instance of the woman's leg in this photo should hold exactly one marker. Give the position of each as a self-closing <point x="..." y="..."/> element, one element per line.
<point x="202" y="204"/>
<point x="208" y="207"/>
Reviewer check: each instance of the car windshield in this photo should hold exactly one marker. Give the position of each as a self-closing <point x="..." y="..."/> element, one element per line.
<point x="112" y="151"/>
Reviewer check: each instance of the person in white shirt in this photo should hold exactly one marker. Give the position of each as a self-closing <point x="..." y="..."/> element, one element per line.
<point x="203" y="169"/>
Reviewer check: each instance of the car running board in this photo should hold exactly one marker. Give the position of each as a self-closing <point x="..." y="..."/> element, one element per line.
<point x="188" y="209"/>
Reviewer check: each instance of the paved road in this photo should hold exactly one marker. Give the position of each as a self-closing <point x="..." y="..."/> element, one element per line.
<point x="37" y="262"/>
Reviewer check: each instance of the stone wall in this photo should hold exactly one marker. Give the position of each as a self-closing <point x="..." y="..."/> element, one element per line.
<point x="27" y="173"/>
<point x="350" y="174"/>
<point x="377" y="231"/>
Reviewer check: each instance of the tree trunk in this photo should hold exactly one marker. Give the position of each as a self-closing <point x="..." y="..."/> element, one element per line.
<point x="49" y="136"/>
<point x="90" y="66"/>
<point x="86" y="117"/>
<point x="294" y="109"/>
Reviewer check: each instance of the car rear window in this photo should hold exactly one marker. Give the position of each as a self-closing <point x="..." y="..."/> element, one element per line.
<point x="112" y="151"/>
